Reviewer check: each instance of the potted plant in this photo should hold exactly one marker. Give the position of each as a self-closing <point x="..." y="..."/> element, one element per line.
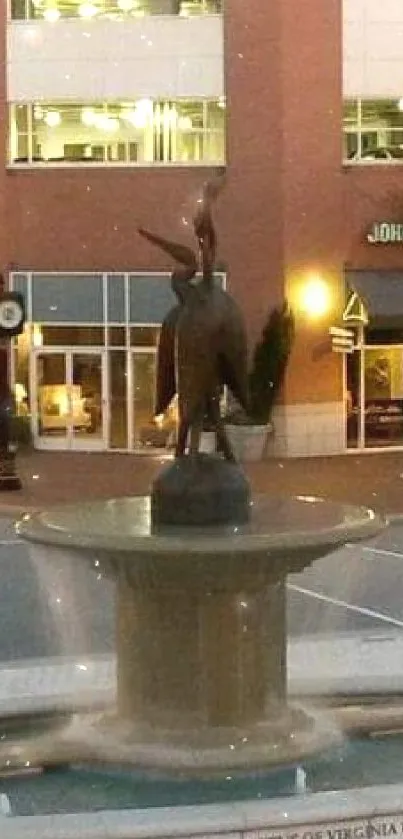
<point x="21" y="431"/>
<point x="248" y="434"/>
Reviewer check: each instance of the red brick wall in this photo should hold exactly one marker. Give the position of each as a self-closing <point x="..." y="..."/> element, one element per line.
<point x="253" y="240"/>
<point x="72" y="219"/>
<point x="285" y="182"/>
<point x="313" y="182"/>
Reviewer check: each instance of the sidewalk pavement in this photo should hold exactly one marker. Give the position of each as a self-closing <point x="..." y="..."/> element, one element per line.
<point x="54" y="478"/>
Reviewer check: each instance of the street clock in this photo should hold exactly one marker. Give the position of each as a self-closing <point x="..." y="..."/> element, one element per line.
<point x="12" y="314"/>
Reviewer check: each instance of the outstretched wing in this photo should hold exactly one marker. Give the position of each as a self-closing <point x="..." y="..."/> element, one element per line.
<point x="166" y="378"/>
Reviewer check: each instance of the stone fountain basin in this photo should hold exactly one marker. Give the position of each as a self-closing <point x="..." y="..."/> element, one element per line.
<point x="283" y="535"/>
<point x="201" y="632"/>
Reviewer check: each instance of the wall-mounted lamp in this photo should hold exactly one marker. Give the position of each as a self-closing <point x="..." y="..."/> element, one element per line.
<point x="315" y="297"/>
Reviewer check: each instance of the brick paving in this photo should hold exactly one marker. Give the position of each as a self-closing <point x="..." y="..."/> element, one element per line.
<point x="53" y="478"/>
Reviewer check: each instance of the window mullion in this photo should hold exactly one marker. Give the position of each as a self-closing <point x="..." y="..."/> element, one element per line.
<point x="359" y="128"/>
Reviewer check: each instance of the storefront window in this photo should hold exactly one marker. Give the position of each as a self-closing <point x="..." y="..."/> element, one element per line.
<point x="54" y="10"/>
<point x="373" y="130"/>
<point x="21" y="350"/>
<point x="374" y="397"/>
<point x="141" y="132"/>
<point x="90" y="387"/>
<point x="144" y="336"/>
<point x="117" y="378"/>
<point x="383" y="388"/>
<point x="81" y="336"/>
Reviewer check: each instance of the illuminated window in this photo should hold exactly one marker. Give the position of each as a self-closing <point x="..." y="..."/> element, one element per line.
<point x="373" y="130"/>
<point x="138" y="132"/>
<point x="54" y="10"/>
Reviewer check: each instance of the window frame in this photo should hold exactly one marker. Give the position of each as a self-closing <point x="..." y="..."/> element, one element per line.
<point x="158" y="140"/>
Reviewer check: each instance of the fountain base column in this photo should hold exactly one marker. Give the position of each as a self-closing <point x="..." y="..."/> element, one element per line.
<point x="200" y="658"/>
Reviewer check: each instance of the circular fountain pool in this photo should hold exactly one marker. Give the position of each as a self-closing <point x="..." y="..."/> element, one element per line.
<point x="369" y="761"/>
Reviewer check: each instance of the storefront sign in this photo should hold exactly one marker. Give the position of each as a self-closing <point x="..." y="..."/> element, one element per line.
<point x="385" y="233"/>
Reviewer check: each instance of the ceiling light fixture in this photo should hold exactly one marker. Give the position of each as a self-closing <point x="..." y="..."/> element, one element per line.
<point x="52" y="119"/>
<point x="88" y="116"/>
<point x="51" y="15"/>
<point x="87" y="10"/>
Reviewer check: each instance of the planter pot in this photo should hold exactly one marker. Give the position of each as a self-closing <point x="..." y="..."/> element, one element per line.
<point x="249" y="442"/>
<point x="208" y="442"/>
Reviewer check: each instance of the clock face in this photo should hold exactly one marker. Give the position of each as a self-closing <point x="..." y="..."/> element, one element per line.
<point x="11" y="314"/>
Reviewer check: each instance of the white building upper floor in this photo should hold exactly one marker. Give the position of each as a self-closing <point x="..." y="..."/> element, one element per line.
<point x="168" y="48"/>
<point x="142" y="81"/>
<point x="115" y="81"/>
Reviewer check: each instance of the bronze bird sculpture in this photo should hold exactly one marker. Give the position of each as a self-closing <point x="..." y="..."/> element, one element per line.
<point x="202" y="345"/>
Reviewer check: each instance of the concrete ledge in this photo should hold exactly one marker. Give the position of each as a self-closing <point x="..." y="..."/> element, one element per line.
<point x="372" y="811"/>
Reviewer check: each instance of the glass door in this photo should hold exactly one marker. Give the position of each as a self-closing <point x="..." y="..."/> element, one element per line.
<point x="70" y="409"/>
<point x="87" y="402"/>
<point x="145" y="432"/>
<point x="51" y="410"/>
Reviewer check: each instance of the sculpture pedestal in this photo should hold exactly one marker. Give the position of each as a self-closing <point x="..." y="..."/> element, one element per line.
<point x="201" y="658"/>
<point x="199" y="490"/>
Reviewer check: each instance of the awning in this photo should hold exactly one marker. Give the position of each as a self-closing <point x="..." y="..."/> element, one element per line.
<point x="381" y="293"/>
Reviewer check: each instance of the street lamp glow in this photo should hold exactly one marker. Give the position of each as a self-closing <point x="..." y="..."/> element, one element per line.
<point x="315" y="297"/>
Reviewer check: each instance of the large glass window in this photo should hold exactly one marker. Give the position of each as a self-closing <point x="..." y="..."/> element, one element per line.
<point x="53" y="10"/>
<point x="373" y="130"/>
<point x="374" y="393"/>
<point x="139" y="132"/>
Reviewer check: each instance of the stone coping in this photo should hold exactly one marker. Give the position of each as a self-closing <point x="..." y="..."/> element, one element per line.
<point x="325" y="665"/>
<point x="352" y="814"/>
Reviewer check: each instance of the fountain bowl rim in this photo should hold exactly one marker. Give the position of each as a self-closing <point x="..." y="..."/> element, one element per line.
<point x="68" y="527"/>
